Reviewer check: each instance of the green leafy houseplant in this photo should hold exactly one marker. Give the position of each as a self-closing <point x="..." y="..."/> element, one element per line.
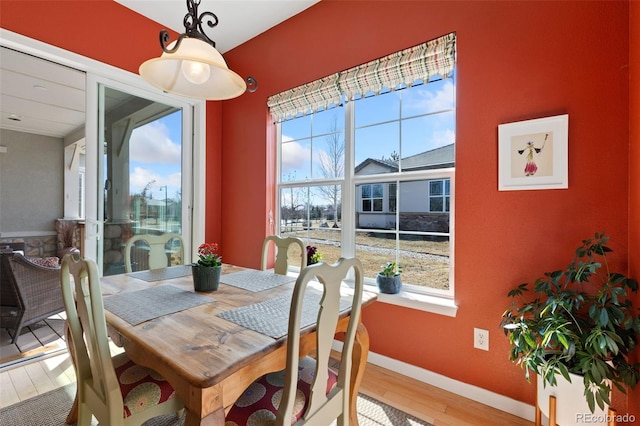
<point x="388" y="279"/>
<point x="391" y="269"/>
<point x="579" y="320"/>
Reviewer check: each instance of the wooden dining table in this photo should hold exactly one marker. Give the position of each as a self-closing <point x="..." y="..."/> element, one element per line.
<point x="210" y="360"/>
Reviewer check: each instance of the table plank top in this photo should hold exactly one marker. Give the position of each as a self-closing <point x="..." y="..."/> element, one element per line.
<point x="195" y="343"/>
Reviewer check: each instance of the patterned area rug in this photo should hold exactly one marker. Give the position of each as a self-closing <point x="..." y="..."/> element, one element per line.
<point x="51" y="409"/>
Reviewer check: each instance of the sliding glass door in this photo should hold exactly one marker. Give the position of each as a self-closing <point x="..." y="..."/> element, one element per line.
<point x="142" y="174"/>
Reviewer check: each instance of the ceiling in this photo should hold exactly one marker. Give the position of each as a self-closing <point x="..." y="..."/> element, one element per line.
<point x="40" y="97"/>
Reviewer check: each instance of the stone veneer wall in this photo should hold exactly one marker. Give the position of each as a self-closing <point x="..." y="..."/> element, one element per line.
<point x="115" y="237"/>
<point x="44" y="246"/>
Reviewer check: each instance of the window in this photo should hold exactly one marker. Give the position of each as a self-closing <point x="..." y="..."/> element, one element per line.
<point x="439" y="195"/>
<point x="392" y="197"/>
<point x="371" y="198"/>
<point x="380" y="188"/>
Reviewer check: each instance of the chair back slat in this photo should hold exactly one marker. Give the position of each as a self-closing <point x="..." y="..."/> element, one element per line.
<point x="323" y="408"/>
<point x="89" y="338"/>
<point x="158" y="255"/>
<point x="282" y="253"/>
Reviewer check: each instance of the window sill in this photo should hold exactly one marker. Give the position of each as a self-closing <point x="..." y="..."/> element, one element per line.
<point x="421" y="302"/>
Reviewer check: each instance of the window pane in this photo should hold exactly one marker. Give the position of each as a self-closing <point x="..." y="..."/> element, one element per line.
<point x="377" y="190"/>
<point x="306" y="213"/>
<point x="393" y="196"/>
<point x="426" y="133"/>
<point x="379" y="142"/>
<point x="376" y="109"/>
<point x="424" y="260"/>
<point x="374" y="249"/>
<point x="328" y="156"/>
<point x="428" y="98"/>
<point x="435" y="187"/>
<point x="375" y="214"/>
<point x="435" y="204"/>
<point x="328" y="121"/>
<point x="297" y="128"/>
<point x="296" y="160"/>
<point x="415" y="209"/>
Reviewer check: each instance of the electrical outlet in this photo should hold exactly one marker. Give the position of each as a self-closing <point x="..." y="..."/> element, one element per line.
<point x="481" y="339"/>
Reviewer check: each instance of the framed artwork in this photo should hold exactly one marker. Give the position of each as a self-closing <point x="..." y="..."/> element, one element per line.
<point x="533" y="154"/>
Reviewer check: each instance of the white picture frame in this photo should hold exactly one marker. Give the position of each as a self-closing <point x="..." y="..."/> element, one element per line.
<point x="533" y="154"/>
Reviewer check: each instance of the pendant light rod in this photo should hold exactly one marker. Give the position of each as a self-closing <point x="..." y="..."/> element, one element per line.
<point x="192" y="26"/>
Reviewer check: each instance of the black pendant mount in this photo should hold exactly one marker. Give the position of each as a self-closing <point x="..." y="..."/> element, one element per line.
<point x="192" y="26"/>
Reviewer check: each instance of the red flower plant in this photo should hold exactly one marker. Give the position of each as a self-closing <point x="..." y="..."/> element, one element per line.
<point x="208" y="254"/>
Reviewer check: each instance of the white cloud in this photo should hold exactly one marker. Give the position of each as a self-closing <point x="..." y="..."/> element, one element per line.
<point x="141" y="177"/>
<point x="442" y="138"/>
<point x="151" y="144"/>
<point x="294" y="155"/>
<point x="425" y="100"/>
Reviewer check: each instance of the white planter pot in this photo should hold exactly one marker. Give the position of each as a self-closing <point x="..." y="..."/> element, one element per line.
<point x="571" y="404"/>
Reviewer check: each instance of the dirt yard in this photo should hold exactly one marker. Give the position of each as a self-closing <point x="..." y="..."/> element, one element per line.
<point x="424" y="263"/>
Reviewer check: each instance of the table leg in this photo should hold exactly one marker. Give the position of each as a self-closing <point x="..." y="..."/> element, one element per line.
<point x="214" y="419"/>
<point x="198" y="401"/>
<point x="359" y="362"/>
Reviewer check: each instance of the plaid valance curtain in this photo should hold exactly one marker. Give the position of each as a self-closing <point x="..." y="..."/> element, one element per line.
<point x="435" y="57"/>
<point x="308" y="97"/>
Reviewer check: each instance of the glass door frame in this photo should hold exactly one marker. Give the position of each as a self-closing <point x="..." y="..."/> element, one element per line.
<point x="126" y="81"/>
<point x="193" y="154"/>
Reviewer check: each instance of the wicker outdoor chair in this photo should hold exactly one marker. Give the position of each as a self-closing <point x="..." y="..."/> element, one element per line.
<point x="29" y="292"/>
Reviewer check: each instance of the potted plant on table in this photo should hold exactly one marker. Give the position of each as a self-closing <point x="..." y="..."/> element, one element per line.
<point x="206" y="271"/>
<point x="313" y="255"/>
<point x="388" y="279"/>
<point x="579" y="326"/>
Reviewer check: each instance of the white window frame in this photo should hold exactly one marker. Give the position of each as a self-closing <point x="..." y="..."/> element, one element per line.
<point x="427" y="299"/>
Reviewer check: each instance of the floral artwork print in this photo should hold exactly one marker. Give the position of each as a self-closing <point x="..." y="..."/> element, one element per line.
<point x="531" y="168"/>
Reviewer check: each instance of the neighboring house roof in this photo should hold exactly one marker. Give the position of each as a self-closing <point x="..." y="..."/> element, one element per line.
<point x="437" y="158"/>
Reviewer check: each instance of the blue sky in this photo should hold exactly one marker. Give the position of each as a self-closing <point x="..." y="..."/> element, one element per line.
<point x="155" y="154"/>
<point x="155" y="151"/>
<point x="304" y="143"/>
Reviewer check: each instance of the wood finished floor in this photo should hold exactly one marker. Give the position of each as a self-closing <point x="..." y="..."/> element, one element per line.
<point x="426" y="402"/>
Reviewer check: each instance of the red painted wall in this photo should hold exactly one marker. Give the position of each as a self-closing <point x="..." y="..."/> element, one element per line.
<point x="516" y="60"/>
<point x="634" y="168"/>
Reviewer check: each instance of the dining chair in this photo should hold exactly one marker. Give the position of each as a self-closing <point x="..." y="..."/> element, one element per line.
<point x="158" y="252"/>
<point x="114" y="390"/>
<point x="282" y="245"/>
<point x="311" y="393"/>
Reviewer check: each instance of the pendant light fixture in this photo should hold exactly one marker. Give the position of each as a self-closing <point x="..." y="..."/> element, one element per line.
<point x="191" y="66"/>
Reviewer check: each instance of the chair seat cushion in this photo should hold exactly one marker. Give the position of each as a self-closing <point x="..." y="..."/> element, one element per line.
<point x="141" y="387"/>
<point x="50" y="262"/>
<point x="259" y="403"/>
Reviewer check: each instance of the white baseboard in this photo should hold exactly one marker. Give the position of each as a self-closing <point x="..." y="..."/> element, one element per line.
<point x="475" y="393"/>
